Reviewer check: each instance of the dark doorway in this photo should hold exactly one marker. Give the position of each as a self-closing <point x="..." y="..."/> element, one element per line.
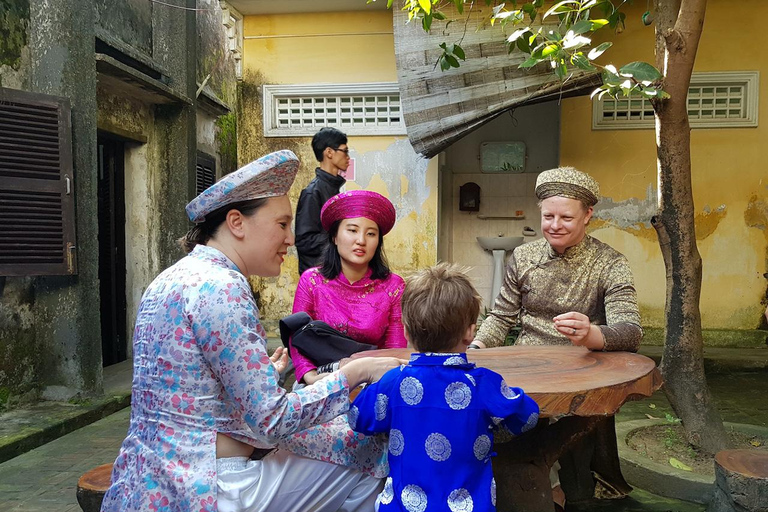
<point x="111" y="195"/>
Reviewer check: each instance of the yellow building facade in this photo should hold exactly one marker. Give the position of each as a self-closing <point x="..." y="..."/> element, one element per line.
<point x="730" y="181"/>
<point x="729" y="175"/>
<point x="336" y="48"/>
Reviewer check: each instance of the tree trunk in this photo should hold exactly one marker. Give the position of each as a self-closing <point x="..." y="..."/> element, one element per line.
<point x="678" y="28"/>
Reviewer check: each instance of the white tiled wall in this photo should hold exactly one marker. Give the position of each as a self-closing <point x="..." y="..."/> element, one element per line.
<point x="538" y="127"/>
<point x="499" y="195"/>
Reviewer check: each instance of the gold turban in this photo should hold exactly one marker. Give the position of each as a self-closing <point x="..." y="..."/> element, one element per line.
<point x="568" y="182"/>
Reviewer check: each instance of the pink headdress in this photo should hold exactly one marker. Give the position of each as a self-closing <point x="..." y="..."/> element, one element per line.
<point x="359" y="203"/>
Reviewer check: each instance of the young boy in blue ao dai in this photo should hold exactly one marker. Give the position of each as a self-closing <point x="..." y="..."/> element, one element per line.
<point x="440" y="410"/>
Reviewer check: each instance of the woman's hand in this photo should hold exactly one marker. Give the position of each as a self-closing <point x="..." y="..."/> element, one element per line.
<point x="279" y="359"/>
<point x="577" y="328"/>
<point x="369" y="369"/>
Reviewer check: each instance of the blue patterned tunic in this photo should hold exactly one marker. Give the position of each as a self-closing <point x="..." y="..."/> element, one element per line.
<point x="440" y="412"/>
<point x="201" y="367"/>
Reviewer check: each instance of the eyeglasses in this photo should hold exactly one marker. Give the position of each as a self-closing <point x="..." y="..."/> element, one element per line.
<point x="345" y="151"/>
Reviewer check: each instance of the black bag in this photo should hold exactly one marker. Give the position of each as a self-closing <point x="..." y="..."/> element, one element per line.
<point x="316" y="340"/>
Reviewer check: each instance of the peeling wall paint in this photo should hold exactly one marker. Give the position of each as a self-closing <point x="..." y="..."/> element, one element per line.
<point x="398" y="166"/>
<point x="633" y="215"/>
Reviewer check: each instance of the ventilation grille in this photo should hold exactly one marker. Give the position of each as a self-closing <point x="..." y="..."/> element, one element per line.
<point x="205" y="172"/>
<point x="356" y="109"/>
<point x="29" y="141"/>
<point x="342" y="111"/>
<point x="31" y="227"/>
<point x="37" y="217"/>
<point x="715" y="100"/>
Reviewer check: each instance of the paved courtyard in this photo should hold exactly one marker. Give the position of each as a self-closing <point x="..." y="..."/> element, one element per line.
<point x="44" y="479"/>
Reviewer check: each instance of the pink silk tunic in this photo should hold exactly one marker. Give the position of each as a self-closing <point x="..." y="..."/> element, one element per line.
<point x="367" y="311"/>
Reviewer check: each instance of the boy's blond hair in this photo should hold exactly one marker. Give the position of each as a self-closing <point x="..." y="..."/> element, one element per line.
<point x="439" y="305"/>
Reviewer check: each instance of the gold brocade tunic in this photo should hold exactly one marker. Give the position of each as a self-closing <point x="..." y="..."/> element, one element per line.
<point x="590" y="278"/>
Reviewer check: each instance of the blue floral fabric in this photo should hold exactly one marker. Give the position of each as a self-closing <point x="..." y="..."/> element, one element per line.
<point x="440" y="412"/>
<point x="200" y="368"/>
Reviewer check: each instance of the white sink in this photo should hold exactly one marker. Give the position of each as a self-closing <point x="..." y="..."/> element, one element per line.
<point x="496" y="243"/>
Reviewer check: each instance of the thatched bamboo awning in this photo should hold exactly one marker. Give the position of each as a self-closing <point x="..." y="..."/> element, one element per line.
<point x="440" y="107"/>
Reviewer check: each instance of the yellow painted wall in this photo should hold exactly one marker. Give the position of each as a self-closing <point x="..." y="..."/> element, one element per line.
<point x="729" y="172"/>
<point x="336" y="48"/>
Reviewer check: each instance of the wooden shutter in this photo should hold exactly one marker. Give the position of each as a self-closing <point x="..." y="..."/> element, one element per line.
<point x="205" y="172"/>
<point x="37" y="216"/>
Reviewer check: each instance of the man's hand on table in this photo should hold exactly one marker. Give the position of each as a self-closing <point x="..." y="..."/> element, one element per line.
<point x="577" y="328"/>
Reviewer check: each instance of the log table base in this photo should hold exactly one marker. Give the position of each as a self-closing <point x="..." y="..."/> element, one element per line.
<point x="92" y="486"/>
<point x="741" y="478"/>
<point x="581" y="389"/>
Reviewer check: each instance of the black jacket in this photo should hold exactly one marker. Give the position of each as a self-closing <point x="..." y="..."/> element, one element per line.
<point x="310" y="237"/>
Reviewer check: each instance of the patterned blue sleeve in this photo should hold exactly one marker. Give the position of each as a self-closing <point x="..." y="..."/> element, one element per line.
<point x="506" y="405"/>
<point x="371" y="413"/>
<point x="225" y="328"/>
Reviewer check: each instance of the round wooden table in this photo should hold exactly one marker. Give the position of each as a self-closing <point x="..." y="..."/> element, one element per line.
<point x="581" y="389"/>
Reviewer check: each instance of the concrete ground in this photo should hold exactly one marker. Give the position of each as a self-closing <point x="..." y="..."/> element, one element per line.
<point x="44" y="479"/>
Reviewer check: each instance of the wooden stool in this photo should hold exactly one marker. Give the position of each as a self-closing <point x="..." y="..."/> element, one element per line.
<point x="92" y="486"/>
<point x="741" y="478"/>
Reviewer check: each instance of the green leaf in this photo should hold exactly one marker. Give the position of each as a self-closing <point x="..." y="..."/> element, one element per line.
<point x="580" y="61"/>
<point x="459" y="5"/>
<point x="528" y="8"/>
<point x="426" y="22"/>
<point x="597" y="24"/>
<point x="444" y="64"/>
<point x="458" y="51"/>
<point x="389" y="3"/>
<point x="522" y="43"/>
<point x="562" y="7"/>
<point x="549" y="49"/>
<point x="552" y="35"/>
<point x="679" y="465"/>
<point x="650" y="92"/>
<point x="452" y="61"/>
<point x="532" y="61"/>
<point x="438" y="15"/>
<point x="599" y="50"/>
<point x="426" y="6"/>
<point x="581" y="27"/>
<point x="561" y="70"/>
<point x="640" y="71"/>
<point x="517" y="34"/>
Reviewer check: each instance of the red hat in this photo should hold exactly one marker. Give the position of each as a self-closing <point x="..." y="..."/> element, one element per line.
<point x="359" y="203"/>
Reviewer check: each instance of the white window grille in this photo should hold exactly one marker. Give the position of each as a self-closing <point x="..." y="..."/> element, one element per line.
<point x="715" y="100"/>
<point x="356" y="109"/>
<point x="233" y="24"/>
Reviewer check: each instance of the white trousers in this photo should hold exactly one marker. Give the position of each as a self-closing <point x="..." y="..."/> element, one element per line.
<point x="284" y="482"/>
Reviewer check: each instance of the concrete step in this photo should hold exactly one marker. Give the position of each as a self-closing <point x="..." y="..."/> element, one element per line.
<point x="26" y="428"/>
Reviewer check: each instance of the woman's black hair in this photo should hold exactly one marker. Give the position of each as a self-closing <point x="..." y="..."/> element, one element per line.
<point x="331" y="266"/>
<point x="201" y="233"/>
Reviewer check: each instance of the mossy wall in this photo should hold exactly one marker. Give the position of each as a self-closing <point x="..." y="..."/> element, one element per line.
<point x="14" y="43"/>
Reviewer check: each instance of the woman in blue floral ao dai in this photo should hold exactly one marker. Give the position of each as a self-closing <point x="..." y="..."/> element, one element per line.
<point x="205" y="391"/>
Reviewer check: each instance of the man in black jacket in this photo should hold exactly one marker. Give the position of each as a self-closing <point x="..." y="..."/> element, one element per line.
<point x="331" y="150"/>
